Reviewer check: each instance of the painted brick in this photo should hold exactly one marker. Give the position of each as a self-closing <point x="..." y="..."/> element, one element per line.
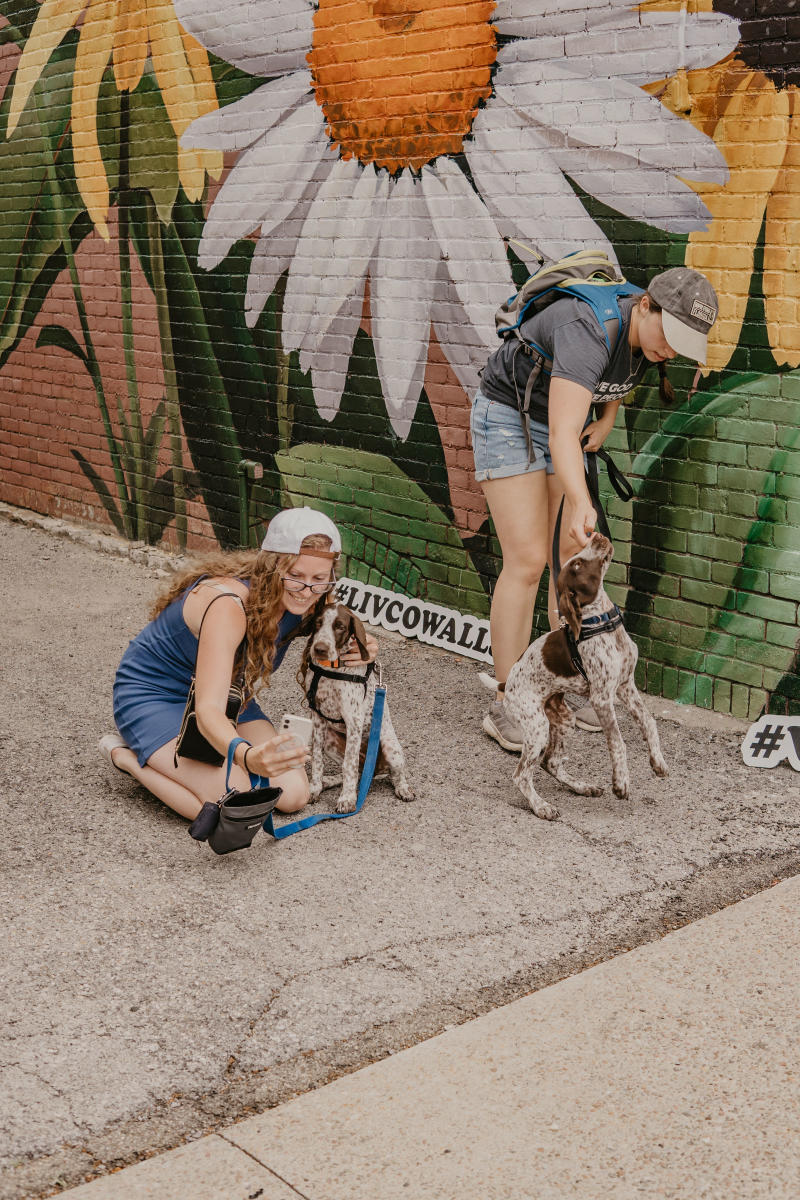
<point x="765" y="654"/>
<point x="670" y="683"/>
<point x="704" y="691"/>
<point x="735" y="670"/>
<point x="746" y="578"/>
<point x="740" y="701"/>
<point x="766" y="608"/>
<point x="722" y="695"/>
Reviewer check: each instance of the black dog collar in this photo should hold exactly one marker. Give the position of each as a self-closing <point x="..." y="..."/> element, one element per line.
<point x="590" y="627"/>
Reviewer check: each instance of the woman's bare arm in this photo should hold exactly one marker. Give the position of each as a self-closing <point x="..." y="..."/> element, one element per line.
<point x="568" y="406"/>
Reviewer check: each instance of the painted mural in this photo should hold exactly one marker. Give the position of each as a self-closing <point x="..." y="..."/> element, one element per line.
<point x="277" y="231"/>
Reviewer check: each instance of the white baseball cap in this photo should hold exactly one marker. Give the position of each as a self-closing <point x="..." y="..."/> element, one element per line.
<point x="288" y="528"/>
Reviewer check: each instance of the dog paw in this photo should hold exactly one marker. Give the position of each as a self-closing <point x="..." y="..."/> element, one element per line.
<point x="622" y="790"/>
<point x="346" y="804"/>
<point x="584" y="789"/>
<point x="314" y="794"/>
<point x="540" y="808"/>
<point x="659" y="767"/>
<point x="405" y="794"/>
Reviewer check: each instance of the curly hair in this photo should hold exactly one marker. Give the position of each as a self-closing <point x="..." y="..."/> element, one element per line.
<point x="263" y="571"/>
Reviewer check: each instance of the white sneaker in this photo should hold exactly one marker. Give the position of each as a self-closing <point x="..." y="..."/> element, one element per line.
<point x="500" y="725"/>
<point x="585" y="716"/>
<point x="108" y="743"/>
<point x="488" y="681"/>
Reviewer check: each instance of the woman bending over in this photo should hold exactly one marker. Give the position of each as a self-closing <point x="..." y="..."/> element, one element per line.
<point x="524" y="483"/>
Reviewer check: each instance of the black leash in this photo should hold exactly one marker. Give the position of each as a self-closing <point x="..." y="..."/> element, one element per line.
<point x="620" y="485"/>
<point x="606" y="622"/>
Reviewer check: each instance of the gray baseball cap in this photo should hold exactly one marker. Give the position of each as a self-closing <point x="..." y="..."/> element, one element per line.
<point x="689" y="308"/>
<point x="288" y="528"/>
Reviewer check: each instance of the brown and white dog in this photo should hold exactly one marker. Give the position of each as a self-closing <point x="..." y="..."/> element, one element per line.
<point x="341" y="711"/>
<point x="536" y="684"/>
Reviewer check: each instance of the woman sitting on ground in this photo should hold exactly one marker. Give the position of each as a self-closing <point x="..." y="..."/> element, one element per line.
<point x="250" y="604"/>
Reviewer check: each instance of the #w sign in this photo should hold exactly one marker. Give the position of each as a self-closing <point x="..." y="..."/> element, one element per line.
<point x="771" y="740"/>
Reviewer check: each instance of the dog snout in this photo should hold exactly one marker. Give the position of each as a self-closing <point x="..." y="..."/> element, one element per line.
<point x="322" y="647"/>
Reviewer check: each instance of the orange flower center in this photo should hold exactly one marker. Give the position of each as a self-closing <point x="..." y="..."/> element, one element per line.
<point x="399" y="81"/>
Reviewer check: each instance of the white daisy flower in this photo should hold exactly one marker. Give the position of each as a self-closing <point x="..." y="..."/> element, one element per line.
<point x="351" y="159"/>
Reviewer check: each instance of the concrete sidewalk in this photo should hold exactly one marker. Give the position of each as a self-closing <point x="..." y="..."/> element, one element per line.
<point x="155" y="993"/>
<point x="672" y="1071"/>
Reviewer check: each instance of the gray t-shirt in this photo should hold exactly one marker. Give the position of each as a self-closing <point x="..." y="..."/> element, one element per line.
<point x="570" y="334"/>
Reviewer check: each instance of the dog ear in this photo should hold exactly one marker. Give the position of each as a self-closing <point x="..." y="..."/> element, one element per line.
<point x="358" y="631"/>
<point x="570" y="608"/>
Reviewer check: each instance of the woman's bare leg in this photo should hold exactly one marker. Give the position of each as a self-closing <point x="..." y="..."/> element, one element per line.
<point x="519" y="508"/>
<point x="169" y="791"/>
<point x="187" y="787"/>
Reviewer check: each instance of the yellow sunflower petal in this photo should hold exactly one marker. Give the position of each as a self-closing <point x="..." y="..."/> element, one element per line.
<point x="200" y="67"/>
<point x="192" y="172"/>
<point x="782" y="251"/>
<point x="691" y="6"/>
<point x="94" y="51"/>
<point x="206" y="95"/>
<point x="55" y="18"/>
<point x="751" y="134"/>
<point x="130" y="44"/>
<point x="213" y="161"/>
<point x="170" y="64"/>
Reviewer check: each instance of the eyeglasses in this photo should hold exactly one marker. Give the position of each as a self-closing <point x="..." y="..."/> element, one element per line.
<point x="296" y="586"/>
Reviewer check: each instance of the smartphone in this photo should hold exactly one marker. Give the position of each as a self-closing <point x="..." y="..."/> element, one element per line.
<point x="299" y="727"/>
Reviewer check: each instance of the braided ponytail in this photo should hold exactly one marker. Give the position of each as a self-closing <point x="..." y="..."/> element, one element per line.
<point x="666" y="392"/>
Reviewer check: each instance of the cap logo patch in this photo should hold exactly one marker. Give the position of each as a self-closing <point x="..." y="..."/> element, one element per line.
<point x="703" y="311"/>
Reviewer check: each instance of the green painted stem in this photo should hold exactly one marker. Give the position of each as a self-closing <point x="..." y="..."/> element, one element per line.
<point x="137" y="466"/>
<point x="92" y="364"/>
<point x="170" y="374"/>
<point x="284" y="406"/>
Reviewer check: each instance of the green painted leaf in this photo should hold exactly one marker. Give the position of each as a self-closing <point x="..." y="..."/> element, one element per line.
<point x="153" y="148"/>
<point x="761" y="557"/>
<point x="58" y="336"/>
<point x="205" y="410"/>
<point x="20" y="15"/>
<point x="100" y="486"/>
<point x="36" y="201"/>
<point x="394" y="534"/>
<point x="690" y="419"/>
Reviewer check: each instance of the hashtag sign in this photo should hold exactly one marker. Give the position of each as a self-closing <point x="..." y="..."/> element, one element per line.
<point x="767" y="740"/>
<point x="766" y="744"/>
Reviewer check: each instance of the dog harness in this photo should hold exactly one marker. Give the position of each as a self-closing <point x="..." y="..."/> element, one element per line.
<point x="327" y="670"/>
<point x="590" y="627"/>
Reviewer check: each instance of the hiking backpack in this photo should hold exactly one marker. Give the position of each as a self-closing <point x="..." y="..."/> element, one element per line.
<point x="587" y="275"/>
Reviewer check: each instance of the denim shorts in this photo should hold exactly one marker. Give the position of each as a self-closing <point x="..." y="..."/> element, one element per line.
<point x="499" y="443"/>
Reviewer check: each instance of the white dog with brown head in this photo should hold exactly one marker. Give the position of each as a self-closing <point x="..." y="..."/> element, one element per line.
<point x="341" y="700"/>
<point x="536" y="685"/>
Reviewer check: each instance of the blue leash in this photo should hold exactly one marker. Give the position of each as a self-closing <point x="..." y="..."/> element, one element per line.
<point x="370" y="759"/>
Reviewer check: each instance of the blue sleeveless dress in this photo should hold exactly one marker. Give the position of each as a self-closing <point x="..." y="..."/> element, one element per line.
<point x="152" y="681"/>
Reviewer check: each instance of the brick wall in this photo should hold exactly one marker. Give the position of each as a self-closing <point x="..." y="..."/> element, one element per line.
<point x="307" y="281"/>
